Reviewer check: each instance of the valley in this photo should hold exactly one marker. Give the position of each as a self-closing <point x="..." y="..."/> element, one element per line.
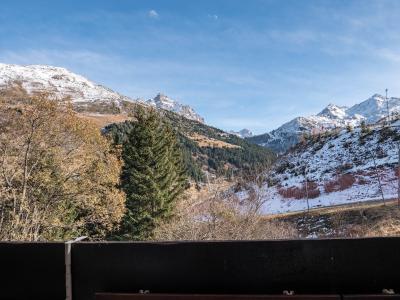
<point x="339" y="156"/>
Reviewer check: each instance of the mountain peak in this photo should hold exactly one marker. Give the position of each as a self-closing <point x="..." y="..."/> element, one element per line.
<point x="84" y="94"/>
<point x="370" y="110"/>
<point x="378" y="97"/>
<point x="244" y="133"/>
<point x="161" y="97"/>
<point x="60" y="82"/>
<point x="162" y="101"/>
<point x="333" y="111"/>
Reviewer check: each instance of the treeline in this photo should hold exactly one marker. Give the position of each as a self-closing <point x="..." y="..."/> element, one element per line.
<point x="221" y="161"/>
<point x="61" y="178"/>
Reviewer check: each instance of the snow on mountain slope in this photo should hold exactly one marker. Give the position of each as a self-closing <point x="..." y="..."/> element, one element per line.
<point x="333" y="111"/>
<point x="333" y="116"/>
<point x="164" y="102"/>
<point x="84" y="94"/>
<point x="288" y="135"/>
<point x="244" y="133"/>
<point x="341" y="166"/>
<point x="58" y="81"/>
<point x="375" y="108"/>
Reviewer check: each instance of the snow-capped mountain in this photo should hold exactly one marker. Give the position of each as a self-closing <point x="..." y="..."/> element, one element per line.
<point x="341" y="166"/>
<point x="375" y="108"/>
<point x="164" y="102"/>
<point x="333" y="111"/>
<point x="58" y="81"/>
<point x="371" y="110"/>
<point x="244" y="133"/>
<point x="84" y="94"/>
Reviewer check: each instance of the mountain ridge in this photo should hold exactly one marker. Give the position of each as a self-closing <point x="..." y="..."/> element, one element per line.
<point x="208" y="151"/>
<point x="244" y="133"/>
<point x="332" y="116"/>
<point x="84" y="94"/>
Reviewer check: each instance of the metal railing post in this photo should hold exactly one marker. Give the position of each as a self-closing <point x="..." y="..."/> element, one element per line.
<point x="68" y="273"/>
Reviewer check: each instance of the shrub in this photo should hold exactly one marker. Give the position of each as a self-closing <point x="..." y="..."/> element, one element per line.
<point x="343" y="182"/>
<point x="385" y="133"/>
<point x="221" y="216"/>
<point x="346" y="181"/>
<point x="301" y="192"/>
<point x="344" y="167"/>
<point x="362" y="181"/>
<point x="381" y="153"/>
<point x="347" y="144"/>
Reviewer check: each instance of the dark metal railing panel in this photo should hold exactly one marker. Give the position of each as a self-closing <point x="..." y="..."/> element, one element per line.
<point x="371" y="297"/>
<point x="335" y="266"/>
<point x="107" y="296"/>
<point x="32" y="271"/>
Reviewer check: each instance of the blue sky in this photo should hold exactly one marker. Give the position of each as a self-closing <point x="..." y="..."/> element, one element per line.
<point x="253" y="64"/>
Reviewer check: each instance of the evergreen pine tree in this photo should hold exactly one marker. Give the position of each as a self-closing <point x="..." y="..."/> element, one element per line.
<point x="153" y="176"/>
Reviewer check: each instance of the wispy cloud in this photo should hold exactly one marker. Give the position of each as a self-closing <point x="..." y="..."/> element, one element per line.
<point x="389" y="55"/>
<point x="153" y="14"/>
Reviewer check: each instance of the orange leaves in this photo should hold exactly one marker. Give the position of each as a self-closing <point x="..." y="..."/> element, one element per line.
<point x="60" y="175"/>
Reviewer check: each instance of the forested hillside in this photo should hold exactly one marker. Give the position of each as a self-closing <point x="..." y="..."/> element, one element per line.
<point x="207" y="149"/>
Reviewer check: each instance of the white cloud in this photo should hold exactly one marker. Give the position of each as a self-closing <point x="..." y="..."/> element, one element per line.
<point x="389" y="55"/>
<point x="153" y="14"/>
<point x="214" y="17"/>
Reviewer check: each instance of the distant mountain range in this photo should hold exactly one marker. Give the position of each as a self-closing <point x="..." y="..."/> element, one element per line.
<point x="333" y="116"/>
<point x="91" y="97"/>
<point x="208" y="152"/>
<point x="84" y="94"/>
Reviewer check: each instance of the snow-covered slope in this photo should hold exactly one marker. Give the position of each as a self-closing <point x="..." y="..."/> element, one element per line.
<point x="164" y="102"/>
<point x="84" y="94"/>
<point x="244" y="133"/>
<point x="58" y="81"/>
<point x="341" y="166"/>
<point x="333" y="116"/>
<point x="375" y="108"/>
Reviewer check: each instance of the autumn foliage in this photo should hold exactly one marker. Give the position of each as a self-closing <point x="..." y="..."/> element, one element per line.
<point x="59" y="175"/>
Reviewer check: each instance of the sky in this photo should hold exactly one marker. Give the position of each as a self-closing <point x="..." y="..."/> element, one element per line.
<point x="240" y="64"/>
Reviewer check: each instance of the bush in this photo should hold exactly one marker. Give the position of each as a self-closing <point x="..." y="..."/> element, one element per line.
<point x="301" y="192"/>
<point x="385" y="133"/>
<point x="343" y="182"/>
<point x="221" y="216"/>
<point x="345" y="167"/>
